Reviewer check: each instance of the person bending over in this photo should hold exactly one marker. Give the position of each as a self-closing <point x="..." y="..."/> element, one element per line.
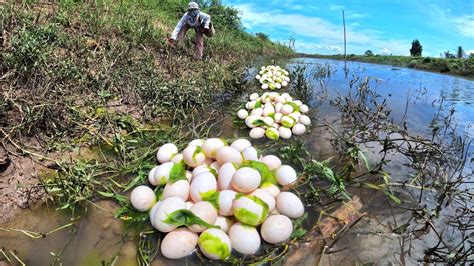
<point x="197" y="20"/>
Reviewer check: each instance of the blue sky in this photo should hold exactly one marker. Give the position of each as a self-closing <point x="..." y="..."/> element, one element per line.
<point x="384" y="26"/>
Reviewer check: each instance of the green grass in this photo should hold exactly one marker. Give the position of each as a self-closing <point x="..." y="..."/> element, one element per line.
<point x="454" y="66"/>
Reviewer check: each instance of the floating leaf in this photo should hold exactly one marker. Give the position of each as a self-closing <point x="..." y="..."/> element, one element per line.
<point x="186" y="218"/>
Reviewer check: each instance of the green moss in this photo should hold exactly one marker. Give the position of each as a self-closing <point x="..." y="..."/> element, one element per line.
<point x="213" y="245"/>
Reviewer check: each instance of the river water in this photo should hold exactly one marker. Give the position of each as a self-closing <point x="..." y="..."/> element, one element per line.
<point x="100" y="238"/>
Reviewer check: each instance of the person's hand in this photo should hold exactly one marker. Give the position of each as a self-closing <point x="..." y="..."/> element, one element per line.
<point x="171" y="41"/>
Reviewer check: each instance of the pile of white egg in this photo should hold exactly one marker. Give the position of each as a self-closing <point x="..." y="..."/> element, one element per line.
<point x="275" y="116"/>
<point x="273" y="77"/>
<point x="231" y="188"/>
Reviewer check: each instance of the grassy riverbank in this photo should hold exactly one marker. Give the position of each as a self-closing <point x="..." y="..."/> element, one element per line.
<point x="84" y="74"/>
<point x="459" y="67"/>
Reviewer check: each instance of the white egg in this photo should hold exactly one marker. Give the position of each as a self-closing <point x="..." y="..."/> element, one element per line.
<point x="285" y="133"/>
<point x="196" y="142"/>
<point x="264" y="86"/>
<point x="266" y="197"/>
<point x="189" y="204"/>
<point x="200" y="169"/>
<point x="272" y="133"/>
<point x="304" y="119"/>
<point x="285" y="175"/>
<point x="166" y="152"/>
<point x="211" y="146"/>
<point x="142" y="198"/>
<point x="285" y="95"/>
<point x="224" y="223"/>
<point x="295" y="115"/>
<point x="286" y="109"/>
<point x="249" y="210"/>
<point x="179" y="188"/>
<point x="242" y="114"/>
<point x="276" y="229"/>
<point x="194" y="156"/>
<point x="284" y="83"/>
<point x="250" y="120"/>
<point x="287" y="121"/>
<point x="167" y="207"/>
<point x="152" y="212"/>
<point x="278" y="86"/>
<point x="225" y="201"/>
<point x="245" y="239"/>
<point x="250" y="105"/>
<point x="271" y="161"/>
<point x="253" y="96"/>
<point x="224" y="178"/>
<point x="270" y="188"/>
<point x="228" y="154"/>
<point x="268" y="121"/>
<point x="177" y="158"/>
<point x="246" y="179"/>
<point x="277" y="117"/>
<point x="287" y="79"/>
<point x="298" y="102"/>
<point x="151" y="176"/>
<point x="304" y="108"/>
<point x="178" y="243"/>
<point x="289" y="204"/>
<point x="215" y="244"/>
<point x="298" y="129"/>
<point x="206" y="212"/>
<point x="268" y="111"/>
<point x="289" y="99"/>
<point x="258" y="77"/>
<point x="203" y="183"/>
<point x="250" y="154"/>
<point x="240" y="144"/>
<point x="162" y="174"/>
<point x="216" y="166"/>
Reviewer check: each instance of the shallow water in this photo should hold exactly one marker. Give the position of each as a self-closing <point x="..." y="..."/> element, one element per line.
<point x="98" y="237"/>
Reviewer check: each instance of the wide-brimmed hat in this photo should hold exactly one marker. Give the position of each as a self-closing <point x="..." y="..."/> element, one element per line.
<point x="193" y="5"/>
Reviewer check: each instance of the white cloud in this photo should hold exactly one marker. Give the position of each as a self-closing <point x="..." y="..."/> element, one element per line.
<point x="334" y="48"/>
<point x="465" y="25"/>
<point x="385" y="51"/>
<point x="336" y="7"/>
<point x="325" y="32"/>
<point x="468" y="52"/>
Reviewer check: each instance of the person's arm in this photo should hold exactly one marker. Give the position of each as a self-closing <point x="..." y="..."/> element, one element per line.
<point x="178" y="27"/>
<point x="207" y="20"/>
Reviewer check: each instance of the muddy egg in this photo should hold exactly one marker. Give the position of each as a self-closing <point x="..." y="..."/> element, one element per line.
<point x="167" y="207"/>
<point x="224" y="177"/>
<point x="225" y="201"/>
<point x="211" y="146"/>
<point x="201" y="184"/>
<point x="271" y="161"/>
<point x="240" y="144"/>
<point x="215" y="244"/>
<point x="276" y="229"/>
<point x="244" y="239"/>
<point x="242" y="114"/>
<point x="270" y="188"/>
<point x="194" y="156"/>
<point x="249" y="210"/>
<point x="246" y="179"/>
<point x="178" y="243"/>
<point x="161" y="176"/>
<point x="305" y="120"/>
<point x="142" y="198"/>
<point x="265" y="197"/>
<point x="285" y="175"/>
<point x="224" y="223"/>
<point x="298" y="129"/>
<point x="289" y="204"/>
<point x="179" y="188"/>
<point x="206" y="212"/>
<point x="166" y="152"/>
<point x="250" y="153"/>
<point x="228" y="154"/>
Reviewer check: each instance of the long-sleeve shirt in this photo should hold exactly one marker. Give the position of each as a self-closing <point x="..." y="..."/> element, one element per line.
<point x="204" y="19"/>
